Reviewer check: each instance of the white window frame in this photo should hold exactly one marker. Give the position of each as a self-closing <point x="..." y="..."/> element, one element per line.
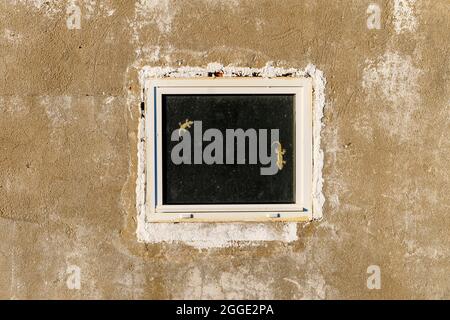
<point x="301" y="210"/>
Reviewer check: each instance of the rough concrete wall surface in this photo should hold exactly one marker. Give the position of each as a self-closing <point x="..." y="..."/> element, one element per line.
<point x="69" y="117"/>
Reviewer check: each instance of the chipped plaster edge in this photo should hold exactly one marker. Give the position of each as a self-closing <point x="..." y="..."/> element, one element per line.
<point x="210" y="235"/>
<point x="319" y="83"/>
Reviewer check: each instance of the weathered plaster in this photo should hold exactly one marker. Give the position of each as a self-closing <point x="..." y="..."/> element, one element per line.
<point x="69" y="118"/>
<point x="404" y="16"/>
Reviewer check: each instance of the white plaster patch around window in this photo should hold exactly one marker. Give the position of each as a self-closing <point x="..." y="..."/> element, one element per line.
<point x="218" y="235"/>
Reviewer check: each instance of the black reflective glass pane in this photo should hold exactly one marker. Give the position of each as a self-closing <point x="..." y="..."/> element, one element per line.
<point x="228" y="183"/>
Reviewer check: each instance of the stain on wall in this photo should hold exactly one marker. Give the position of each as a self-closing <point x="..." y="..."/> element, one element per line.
<point x="69" y="116"/>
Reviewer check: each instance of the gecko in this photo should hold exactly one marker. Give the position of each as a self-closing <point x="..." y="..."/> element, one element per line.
<point x="183" y="126"/>
<point x="280" y="152"/>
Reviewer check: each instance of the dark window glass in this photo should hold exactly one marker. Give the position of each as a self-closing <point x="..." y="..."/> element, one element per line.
<point x="228" y="183"/>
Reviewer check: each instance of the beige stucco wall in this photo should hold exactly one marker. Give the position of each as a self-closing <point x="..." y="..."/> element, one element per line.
<point x="69" y="113"/>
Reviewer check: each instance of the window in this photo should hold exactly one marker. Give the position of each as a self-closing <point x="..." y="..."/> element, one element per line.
<point x="237" y="149"/>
